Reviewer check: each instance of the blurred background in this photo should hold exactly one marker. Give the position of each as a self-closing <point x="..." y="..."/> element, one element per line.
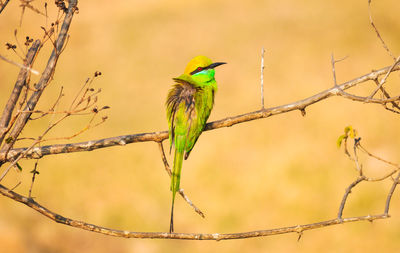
<point x="281" y="171"/>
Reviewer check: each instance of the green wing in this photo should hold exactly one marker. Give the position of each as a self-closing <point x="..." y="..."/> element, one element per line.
<point x="181" y="113"/>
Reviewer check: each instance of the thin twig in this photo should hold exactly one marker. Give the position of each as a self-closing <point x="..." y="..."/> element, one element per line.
<point x="52" y="109"/>
<point x="45" y="78"/>
<point x="20" y="65"/>
<point x="377" y="32"/>
<point x="262" y="78"/>
<point x="333" y="63"/>
<point x="346" y="194"/>
<point x="389" y="197"/>
<point x="358" y="165"/>
<point x="387" y="95"/>
<point x="34" y="173"/>
<point x="166" y="165"/>
<point x="14" y="162"/>
<point x="377" y="157"/>
<point x="383" y="80"/>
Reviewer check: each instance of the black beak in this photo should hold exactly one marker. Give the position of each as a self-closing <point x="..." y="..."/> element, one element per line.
<point x="215" y="64"/>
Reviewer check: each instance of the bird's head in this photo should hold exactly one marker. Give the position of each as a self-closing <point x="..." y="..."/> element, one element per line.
<point x="201" y="69"/>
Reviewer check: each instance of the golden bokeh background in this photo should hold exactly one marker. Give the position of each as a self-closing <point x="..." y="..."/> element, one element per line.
<point x="281" y="171"/>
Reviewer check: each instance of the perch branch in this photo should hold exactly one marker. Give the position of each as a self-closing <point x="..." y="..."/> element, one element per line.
<point x="187" y="236"/>
<point x="38" y="152"/>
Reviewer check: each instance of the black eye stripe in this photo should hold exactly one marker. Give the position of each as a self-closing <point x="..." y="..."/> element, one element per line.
<point x="198" y="70"/>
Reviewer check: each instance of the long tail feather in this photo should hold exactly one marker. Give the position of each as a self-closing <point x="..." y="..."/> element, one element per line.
<point x="171" y="224"/>
<point x="176" y="178"/>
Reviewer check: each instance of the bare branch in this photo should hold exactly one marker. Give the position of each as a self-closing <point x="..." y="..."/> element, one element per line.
<point x="19" y="65"/>
<point x="387" y="95"/>
<point x="227" y="122"/>
<point x="187" y="236"/>
<point x="3" y="5"/>
<point x="346" y="194"/>
<point x="362" y="177"/>
<point x="377" y="157"/>
<point x="333" y="62"/>
<point x="377" y="32"/>
<point x="262" y="78"/>
<point x="370" y="98"/>
<point x="21" y="81"/>
<point x="34" y="173"/>
<point x="389" y="197"/>
<point x="383" y="80"/>
<point x="45" y="78"/>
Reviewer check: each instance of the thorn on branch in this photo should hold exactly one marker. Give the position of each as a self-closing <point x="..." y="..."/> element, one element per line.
<point x="333" y="63"/>
<point x="300" y="235"/>
<point x="303" y="111"/>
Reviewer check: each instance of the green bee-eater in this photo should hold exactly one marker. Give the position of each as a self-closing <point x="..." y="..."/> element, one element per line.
<point x="189" y="105"/>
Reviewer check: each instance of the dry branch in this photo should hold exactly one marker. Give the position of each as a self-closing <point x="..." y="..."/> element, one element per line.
<point x="299" y="229"/>
<point x="16" y="124"/>
<point x="3" y="5"/>
<point x="21" y="81"/>
<point x="44" y="80"/>
<point x="187" y="236"/>
<point x="39" y="152"/>
<point x="377" y="32"/>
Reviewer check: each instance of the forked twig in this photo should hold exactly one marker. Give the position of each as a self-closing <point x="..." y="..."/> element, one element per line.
<point x="383" y="80"/>
<point x="346" y="194"/>
<point x="377" y="32"/>
<point x="167" y="168"/>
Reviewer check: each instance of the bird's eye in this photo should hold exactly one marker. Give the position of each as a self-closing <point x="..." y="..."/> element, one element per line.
<point x="197" y="70"/>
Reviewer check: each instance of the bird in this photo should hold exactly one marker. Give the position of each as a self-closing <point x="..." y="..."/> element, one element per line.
<point x="189" y="104"/>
